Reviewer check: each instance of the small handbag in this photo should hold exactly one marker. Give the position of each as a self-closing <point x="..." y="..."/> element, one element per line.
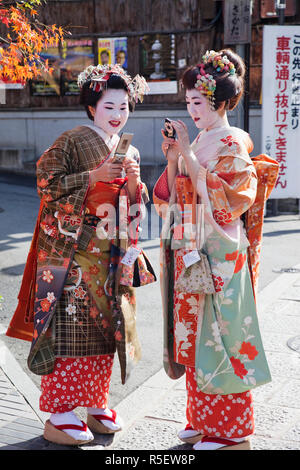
<point x="140" y="273"/>
<point x="197" y="278"/>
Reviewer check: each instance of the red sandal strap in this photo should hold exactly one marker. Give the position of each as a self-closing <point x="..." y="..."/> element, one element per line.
<point x="220" y="440"/>
<point x="189" y="428"/>
<point x="106" y="418"/>
<point x="77" y="427"/>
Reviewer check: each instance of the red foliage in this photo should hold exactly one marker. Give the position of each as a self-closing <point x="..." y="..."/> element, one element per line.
<point x="24" y="41"/>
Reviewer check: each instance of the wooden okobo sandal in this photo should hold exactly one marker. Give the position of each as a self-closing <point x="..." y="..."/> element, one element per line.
<point x="96" y="425"/>
<point x="57" y="435"/>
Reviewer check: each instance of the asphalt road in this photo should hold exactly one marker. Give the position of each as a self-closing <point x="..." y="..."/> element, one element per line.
<point x="18" y="210"/>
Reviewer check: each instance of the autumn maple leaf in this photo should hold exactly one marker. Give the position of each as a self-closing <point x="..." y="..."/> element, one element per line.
<point x="25" y="39"/>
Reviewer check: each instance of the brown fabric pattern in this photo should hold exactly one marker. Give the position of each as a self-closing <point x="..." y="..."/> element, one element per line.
<point x="63" y="170"/>
<point x="83" y="318"/>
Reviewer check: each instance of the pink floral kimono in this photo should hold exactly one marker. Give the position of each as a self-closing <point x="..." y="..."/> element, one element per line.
<point x="215" y="338"/>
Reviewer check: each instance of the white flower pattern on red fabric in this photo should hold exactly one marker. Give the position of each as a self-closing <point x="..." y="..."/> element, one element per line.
<point x="218" y="415"/>
<point x="77" y="382"/>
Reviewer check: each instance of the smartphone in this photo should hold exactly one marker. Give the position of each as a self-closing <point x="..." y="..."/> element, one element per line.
<point x="169" y="129"/>
<point x="122" y="148"/>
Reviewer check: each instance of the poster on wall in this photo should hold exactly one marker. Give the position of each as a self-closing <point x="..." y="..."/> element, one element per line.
<point x="281" y="105"/>
<point x="157" y="63"/>
<point x="48" y="84"/>
<point x="120" y="47"/>
<point x="112" y="51"/>
<point x="76" y="56"/>
<point x="106" y="51"/>
<point x="67" y="61"/>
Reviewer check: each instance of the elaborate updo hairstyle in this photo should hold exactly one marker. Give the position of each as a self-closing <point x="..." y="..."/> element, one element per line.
<point x="89" y="97"/>
<point x="229" y="87"/>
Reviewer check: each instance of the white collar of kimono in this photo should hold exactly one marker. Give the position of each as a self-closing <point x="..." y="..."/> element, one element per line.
<point x="208" y="145"/>
<point x="109" y="141"/>
<point x="212" y="139"/>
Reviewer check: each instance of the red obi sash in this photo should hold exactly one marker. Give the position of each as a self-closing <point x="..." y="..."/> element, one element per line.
<point x="103" y="193"/>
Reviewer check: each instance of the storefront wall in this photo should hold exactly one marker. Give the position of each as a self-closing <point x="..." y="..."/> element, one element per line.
<point x="25" y="135"/>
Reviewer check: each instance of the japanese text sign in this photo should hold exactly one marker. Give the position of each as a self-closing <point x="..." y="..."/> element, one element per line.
<point x="281" y="105"/>
<point x="237" y="22"/>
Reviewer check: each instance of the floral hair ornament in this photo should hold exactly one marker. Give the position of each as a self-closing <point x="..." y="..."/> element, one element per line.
<point x="220" y="62"/>
<point x="98" y="76"/>
<point x="206" y="84"/>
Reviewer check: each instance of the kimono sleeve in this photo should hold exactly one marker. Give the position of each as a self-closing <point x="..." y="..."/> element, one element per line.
<point x="161" y="194"/>
<point x="231" y="187"/>
<point x="59" y="185"/>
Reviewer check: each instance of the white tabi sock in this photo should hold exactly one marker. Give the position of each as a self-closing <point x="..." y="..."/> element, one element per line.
<point x="58" y="419"/>
<point x="186" y="433"/>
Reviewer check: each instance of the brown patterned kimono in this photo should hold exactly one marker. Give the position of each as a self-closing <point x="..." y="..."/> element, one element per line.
<point x="73" y="315"/>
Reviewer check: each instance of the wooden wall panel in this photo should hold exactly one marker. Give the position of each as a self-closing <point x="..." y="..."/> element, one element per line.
<point x="100" y="17"/>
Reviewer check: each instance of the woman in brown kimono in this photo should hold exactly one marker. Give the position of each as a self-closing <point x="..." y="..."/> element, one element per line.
<point x="76" y="314"/>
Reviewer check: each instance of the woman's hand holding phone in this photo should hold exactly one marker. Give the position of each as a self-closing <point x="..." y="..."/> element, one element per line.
<point x="169" y="148"/>
<point x="106" y="172"/>
<point x="183" y="139"/>
<point x="132" y="170"/>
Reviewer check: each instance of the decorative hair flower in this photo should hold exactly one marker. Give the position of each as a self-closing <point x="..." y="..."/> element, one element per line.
<point x="209" y="56"/>
<point x="205" y="83"/>
<point x="223" y="63"/>
<point x="219" y="62"/>
<point x="99" y="74"/>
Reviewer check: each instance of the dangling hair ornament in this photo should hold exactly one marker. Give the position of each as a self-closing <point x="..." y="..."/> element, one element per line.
<point x="205" y="83"/>
<point x="98" y="76"/>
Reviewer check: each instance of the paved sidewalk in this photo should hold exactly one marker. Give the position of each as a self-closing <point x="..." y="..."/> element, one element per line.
<point x="155" y="411"/>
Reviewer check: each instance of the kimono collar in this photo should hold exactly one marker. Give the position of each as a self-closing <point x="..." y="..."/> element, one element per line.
<point x="210" y="145"/>
<point x="214" y="133"/>
<point x="109" y="141"/>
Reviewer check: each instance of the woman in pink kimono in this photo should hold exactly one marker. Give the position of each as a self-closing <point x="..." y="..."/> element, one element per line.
<point x="213" y="338"/>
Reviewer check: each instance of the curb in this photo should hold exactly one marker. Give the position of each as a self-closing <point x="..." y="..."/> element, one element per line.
<point x="20" y="380"/>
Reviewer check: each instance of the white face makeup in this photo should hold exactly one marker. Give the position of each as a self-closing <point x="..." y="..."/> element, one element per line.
<point x="200" y="111"/>
<point x="112" y="111"/>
